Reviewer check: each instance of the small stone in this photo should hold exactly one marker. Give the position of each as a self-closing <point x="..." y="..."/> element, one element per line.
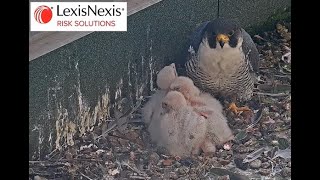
<point x="225" y="177"/>
<point x="283" y="40"/>
<point x="123" y="142"/>
<point x="214" y="162"/>
<point x="277" y="53"/>
<point x="193" y="170"/>
<point x="97" y="131"/>
<point x="224" y="162"/>
<point x="240" y="164"/>
<point x="201" y="158"/>
<point x="289" y="164"/>
<point x="113" y="172"/>
<point x="194" y="176"/>
<point x="154" y="158"/>
<point x="283" y="143"/>
<point x="69" y="156"/>
<point x="162" y="150"/>
<point x="132" y="156"/>
<point x="253" y="141"/>
<point x="287" y="120"/>
<point x="177" y="164"/>
<point x="264" y="172"/>
<point x="279" y="27"/>
<point x="111" y="165"/>
<point x="255" y="164"/>
<point x="132" y="135"/>
<point x="160" y="163"/>
<point x="122" y="175"/>
<point x="251" y="149"/>
<point x="229" y="152"/>
<point x="107" y="156"/>
<point x="242" y="149"/>
<point x="167" y="162"/>
<point x="183" y="170"/>
<point x="102" y="140"/>
<point x="286" y="172"/>
<point x="275" y="143"/>
<point x="266" y="110"/>
<point x="114" y="142"/>
<point x="258" y="134"/>
<point x="187" y="161"/>
<point x="173" y="175"/>
<point x="285" y="48"/>
<point x="223" y="154"/>
<point x="287" y="36"/>
<point x="39" y="178"/>
<point x="265" y="165"/>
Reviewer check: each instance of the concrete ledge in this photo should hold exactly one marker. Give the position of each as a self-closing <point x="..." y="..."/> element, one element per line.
<point x="44" y="42"/>
<point x="77" y="86"/>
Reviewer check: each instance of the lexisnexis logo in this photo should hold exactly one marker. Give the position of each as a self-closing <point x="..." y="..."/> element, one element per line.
<point x="78" y="16"/>
<point x="43" y="14"/>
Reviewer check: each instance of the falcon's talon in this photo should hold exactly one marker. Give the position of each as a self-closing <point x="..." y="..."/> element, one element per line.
<point x="233" y="108"/>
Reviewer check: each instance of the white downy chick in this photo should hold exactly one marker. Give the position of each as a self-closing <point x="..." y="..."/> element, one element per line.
<point x="183" y="131"/>
<point x="166" y="75"/>
<point x="218" y="131"/>
<point x="151" y="110"/>
<point x="164" y="78"/>
<point x="196" y="98"/>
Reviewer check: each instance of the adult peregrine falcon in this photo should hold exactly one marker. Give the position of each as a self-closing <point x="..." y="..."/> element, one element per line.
<point x="222" y="59"/>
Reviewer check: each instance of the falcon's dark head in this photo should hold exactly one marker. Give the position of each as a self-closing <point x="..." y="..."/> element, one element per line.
<point x="222" y="31"/>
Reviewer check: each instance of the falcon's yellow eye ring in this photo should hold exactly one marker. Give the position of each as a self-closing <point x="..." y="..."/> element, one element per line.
<point x="231" y="33"/>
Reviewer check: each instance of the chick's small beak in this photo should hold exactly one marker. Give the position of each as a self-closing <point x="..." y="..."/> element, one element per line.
<point x="222" y="39"/>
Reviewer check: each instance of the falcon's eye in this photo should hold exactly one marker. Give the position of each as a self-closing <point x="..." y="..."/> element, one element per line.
<point x="231" y="33"/>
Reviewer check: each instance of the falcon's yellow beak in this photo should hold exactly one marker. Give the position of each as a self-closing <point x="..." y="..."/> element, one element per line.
<point x="222" y="39"/>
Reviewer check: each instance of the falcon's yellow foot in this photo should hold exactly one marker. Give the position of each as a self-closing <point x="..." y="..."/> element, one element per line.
<point x="237" y="110"/>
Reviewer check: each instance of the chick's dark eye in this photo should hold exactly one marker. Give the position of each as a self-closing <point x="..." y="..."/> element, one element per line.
<point x="231" y="33"/>
<point x="164" y="105"/>
<point x="176" y="88"/>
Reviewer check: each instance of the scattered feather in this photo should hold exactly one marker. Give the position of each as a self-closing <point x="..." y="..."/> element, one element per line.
<point x="254" y="155"/>
<point x="285" y="154"/>
<point x="241" y="135"/>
